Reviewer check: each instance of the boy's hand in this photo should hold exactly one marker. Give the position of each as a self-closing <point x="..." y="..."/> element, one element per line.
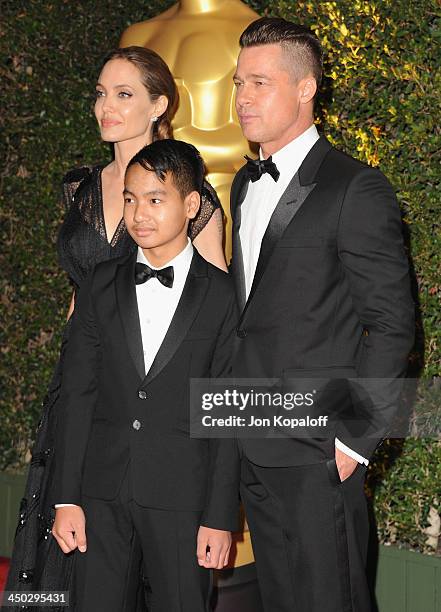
<point x="219" y="544"/>
<point x="69" y="528"/>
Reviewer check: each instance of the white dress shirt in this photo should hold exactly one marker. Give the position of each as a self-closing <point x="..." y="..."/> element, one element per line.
<point x="258" y="206"/>
<point x="157" y="305"/>
<point x="262" y="197"/>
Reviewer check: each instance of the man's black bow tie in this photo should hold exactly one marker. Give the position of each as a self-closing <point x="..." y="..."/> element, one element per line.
<point x="144" y="273"/>
<point x="256" y="167"/>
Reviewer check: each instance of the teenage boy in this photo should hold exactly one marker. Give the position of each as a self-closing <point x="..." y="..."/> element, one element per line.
<point x="144" y="325"/>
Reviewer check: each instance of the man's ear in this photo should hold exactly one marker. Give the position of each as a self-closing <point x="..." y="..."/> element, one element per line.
<point x="192" y="203"/>
<point x="308" y="89"/>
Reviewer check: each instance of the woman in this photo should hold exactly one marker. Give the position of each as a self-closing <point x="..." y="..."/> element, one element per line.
<point x="136" y="101"/>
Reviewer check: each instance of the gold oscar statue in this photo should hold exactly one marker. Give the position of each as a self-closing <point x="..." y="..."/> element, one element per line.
<point x="199" y="40"/>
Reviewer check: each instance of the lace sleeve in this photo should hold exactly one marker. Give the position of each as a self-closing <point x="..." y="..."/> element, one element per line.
<point x="209" y="203"/>
<point x="71" y="181"/>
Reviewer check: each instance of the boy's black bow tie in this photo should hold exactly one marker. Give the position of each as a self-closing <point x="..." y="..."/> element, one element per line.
<point x="144" y="273"/>
<point x="256" y="167"/>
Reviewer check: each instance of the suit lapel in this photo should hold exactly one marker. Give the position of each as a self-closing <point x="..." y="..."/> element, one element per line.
<point x="238" y="193"/>
<point x="299" y="188"/>
<point x="128" y="311"/>
<point x="188" y="307"/>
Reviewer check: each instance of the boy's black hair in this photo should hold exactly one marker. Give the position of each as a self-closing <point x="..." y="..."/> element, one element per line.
<point x="180" y="159"/>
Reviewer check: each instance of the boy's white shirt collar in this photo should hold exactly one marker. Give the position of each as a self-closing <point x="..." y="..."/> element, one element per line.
<point x="179" y="262"/>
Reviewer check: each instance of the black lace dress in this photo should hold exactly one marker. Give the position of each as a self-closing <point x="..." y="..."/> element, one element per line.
<point x="37" y="562"/>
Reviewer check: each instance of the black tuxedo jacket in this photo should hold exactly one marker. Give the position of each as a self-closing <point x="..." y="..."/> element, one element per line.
<point x="113" y="417"/>
<point x="330" y="299"/>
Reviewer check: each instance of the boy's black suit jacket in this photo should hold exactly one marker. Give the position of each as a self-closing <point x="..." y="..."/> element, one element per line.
<point x="105" y="391"/>
<point x="330" y="299"/>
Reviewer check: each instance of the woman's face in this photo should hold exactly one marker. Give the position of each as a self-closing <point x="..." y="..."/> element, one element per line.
<point x="123" y="107"/>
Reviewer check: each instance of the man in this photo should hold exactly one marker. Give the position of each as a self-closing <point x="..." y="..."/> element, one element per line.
<point x="143" y="325"/>
<point x="322" y="282"/>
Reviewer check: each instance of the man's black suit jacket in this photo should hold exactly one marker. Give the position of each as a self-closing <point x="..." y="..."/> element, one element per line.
<point x="330" y="299"/>
<point x="105" y="390"/>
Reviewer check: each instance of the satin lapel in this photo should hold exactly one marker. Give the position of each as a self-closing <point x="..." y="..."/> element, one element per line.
<point x="188" y="307"/>
<point x="128" y="312"/>
<point x="237" y="197"/>
<point x="292" y="199"/>
<point x="288" y="205"/>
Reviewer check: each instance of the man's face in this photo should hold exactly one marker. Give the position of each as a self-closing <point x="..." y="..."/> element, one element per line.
<point x="155" y="213"/>
<point x="267" y="96"/>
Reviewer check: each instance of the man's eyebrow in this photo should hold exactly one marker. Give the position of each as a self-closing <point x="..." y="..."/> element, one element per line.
<point x="260" y="76"/>
<point x="236" y="77"/>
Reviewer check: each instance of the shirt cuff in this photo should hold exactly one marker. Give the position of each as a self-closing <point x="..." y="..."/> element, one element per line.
<point x="63" y="505"/>
<point x="351" y="453"/>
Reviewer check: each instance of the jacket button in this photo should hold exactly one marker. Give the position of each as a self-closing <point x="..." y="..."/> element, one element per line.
<point x="136" y="425"/>
<point x="241" y="333"/>
<point x="365" y="332"/>
<point x="142" y="394"/>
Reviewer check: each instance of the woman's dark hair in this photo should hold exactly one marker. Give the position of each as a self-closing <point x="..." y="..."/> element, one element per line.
<point x="298" y="40"/>
<point x="157" y="79"/>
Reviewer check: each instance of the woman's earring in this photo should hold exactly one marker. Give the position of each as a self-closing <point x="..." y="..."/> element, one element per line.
<point x="154" y="118"/>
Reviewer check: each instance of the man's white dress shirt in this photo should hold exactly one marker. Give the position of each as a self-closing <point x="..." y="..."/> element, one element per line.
<point x="157" y="305"/>
<point x="258" y="206"/>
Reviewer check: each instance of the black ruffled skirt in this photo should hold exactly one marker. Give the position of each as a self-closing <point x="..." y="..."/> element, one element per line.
<point x="38" y="563"/>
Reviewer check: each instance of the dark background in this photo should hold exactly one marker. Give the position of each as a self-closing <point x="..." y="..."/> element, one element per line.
<point x="380" y="103"/>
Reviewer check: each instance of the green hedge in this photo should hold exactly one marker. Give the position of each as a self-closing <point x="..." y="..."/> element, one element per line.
<point x="380" y="103"/>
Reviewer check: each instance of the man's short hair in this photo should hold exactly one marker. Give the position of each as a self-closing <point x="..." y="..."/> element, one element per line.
<point x="180" y="159"/>
<point x="303" y="47"/>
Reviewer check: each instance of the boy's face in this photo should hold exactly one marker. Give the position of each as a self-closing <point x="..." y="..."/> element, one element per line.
<point x="155" y="213"/>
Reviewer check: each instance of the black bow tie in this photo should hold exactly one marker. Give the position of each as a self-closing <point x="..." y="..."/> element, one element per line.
<point x="144" y="273"/>
<point x="256" y="167"/>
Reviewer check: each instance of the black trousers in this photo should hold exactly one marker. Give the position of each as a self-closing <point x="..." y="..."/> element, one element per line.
<point x="105" y="576"/>
<point x="309" y="533"/>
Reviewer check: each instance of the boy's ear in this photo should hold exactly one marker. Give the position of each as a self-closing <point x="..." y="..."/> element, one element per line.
<point x="192" y="203"/>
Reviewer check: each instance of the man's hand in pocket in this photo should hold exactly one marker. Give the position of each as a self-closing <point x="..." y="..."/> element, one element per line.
<point x="345" y="464"/>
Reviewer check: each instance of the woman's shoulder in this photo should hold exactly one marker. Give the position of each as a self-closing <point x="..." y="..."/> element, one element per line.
<point x="77" y="180"/>
<point x="78" y="174"/>
<point x="209" y="195"/>
<point x="209" y="204"/>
